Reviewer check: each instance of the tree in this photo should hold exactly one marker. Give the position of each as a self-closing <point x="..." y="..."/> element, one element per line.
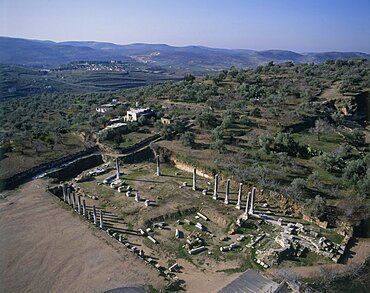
<point x="219" y="145"/>
<point x="337" y="118"/>
<point x="265" y="142"/>
<point x="321" y="127"/>
<point x="188" y="138"/>
<point x="314" y="178"/>
<point x="207" y="120"/>
<point x="218" y="132"/>
<point x="316" y="207"/>
<point x="141" y="120"/>
<point x="166" y="132"/>
<point x="284" y="142"/>
<point x="331" y="162"/>
<point x="245" y="120"/>
<point x="189" y="78"/>
<point x="355" y="138"/>
<point x="297" y="187"/>
<point x="355" y="170"/>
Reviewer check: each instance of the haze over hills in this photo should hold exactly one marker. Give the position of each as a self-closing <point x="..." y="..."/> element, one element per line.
<point x="193" y="58"/>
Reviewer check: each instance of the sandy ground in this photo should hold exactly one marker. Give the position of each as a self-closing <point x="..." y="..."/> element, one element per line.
<point x="45" y="248"/>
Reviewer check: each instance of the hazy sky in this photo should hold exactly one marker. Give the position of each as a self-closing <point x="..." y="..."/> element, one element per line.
<point x="299" y="25"/>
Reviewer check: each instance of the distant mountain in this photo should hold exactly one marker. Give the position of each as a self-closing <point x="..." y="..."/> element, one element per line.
<point x="47" y="53"/>
<point x="191" y="58"/>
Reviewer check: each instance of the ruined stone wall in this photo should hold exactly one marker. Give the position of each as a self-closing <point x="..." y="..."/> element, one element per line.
<point x="173" y="215"/>
<point x="189" y="168"/>
<point x="76" y="167"/>
<point x="28" y="174"/>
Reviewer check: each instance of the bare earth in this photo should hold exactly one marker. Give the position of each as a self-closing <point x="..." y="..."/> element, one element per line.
<point x="45" y="248"/>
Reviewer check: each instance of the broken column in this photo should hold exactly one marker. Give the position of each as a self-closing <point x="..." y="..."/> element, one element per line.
<point x="64" y="189"/>
<point x="79" y="205"/>
<point x="194" y="179"/>
<point x="101" y="219"/>
<point x="84" y="208"/>
<point x="137" y="197"/>
<point x="158" y="164"/>
<point x="239" y="203"/>
<point x="94" y="214"/>
<point x="227" y="191"/>
<point x="215" y="190"/>
<point x="251" y="210"/>
<point x="117" y="168"/>
<point x="247" y="203"/>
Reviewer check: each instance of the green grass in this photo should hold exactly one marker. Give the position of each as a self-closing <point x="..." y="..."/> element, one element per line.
<point x="327" y="143"/>
<point x="332" y="235"/>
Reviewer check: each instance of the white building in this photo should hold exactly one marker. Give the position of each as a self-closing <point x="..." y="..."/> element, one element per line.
<point x="134" y="114"/>
<point x="112" y="129"/>
<point x="107" y="107"/>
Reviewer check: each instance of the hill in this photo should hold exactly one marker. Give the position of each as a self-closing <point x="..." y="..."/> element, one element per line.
<point x="197" y="59"/>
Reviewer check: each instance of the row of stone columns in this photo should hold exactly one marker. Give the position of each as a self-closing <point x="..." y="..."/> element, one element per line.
<point x="70" y="198"/>
<point x="250" y="199"/>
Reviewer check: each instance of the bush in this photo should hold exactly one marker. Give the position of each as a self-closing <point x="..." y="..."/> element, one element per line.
<point x="188" y="138"/>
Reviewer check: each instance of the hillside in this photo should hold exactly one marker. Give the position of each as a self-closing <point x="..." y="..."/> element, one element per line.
<point x="197" y="59"/>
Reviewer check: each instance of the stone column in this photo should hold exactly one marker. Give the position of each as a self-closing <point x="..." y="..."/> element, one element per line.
<point x="251" y="210"/>
<point x="215" y="190"/>
<point x="69" y="196"/>
<point x="137" y="197"/>
<point x="227" y="191"/>
<point x="194" y="179"/>
<point x="117" y="168"/>
<point x="101" y="219"/>
<point x="79" y="205"/>
<point x="84" y="208"/>
<point x="247" y="203"/>
<point x="94" y="214"/>
<point x="74" y="200"/>
<point x="64" y="189"/>
<point x="238" y="204"/>
<point x="158" y="164"/>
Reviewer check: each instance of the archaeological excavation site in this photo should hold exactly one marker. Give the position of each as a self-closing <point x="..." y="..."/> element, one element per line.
<point x="174" y="216"/>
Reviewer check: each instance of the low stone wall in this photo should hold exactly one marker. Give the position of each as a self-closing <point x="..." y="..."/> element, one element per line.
<point x="139" y="144"/>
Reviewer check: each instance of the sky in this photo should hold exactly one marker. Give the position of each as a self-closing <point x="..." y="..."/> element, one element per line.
<point x="298" y="25"/>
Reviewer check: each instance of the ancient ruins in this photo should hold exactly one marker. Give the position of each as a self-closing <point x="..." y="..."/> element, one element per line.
<point x="168" y="209"/>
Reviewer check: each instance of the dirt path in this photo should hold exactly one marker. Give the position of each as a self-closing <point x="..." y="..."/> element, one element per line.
<point x="45" y="248"/>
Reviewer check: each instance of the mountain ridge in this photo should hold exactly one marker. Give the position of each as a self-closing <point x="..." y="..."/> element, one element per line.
<point x="46" y="53"/>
